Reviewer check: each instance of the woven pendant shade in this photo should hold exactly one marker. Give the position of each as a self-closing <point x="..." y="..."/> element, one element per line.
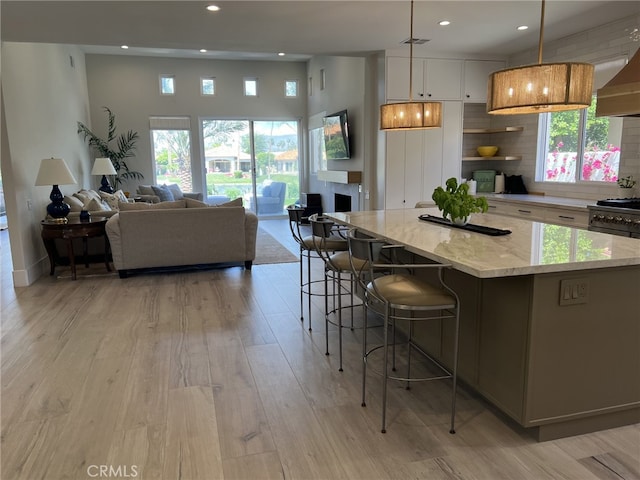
<point x="541" y="88"/>
<point x="410" y="115"/>
<point x="549" y="87"/>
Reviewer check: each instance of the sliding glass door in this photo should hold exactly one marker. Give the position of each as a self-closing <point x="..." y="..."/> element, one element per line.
<point x="255" y="160"/>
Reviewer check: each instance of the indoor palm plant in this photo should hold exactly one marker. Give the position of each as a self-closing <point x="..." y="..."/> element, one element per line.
<point x="124" y="148"/>
<point x="455" y="202"/>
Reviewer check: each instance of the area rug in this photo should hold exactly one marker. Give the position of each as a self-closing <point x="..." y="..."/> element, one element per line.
<point x="269" y="250"/>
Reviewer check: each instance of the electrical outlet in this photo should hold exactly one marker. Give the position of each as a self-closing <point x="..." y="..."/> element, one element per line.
<point x="574" y="291"/>
<point x="29" y="205"/>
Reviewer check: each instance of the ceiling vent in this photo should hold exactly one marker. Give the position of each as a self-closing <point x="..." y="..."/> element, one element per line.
<point x="415" y="41"/>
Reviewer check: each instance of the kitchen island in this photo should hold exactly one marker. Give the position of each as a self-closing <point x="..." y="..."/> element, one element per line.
<point x="550" y="329"/>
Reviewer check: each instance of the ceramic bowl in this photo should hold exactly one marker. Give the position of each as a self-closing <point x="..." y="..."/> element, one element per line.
<point x="487" y="150"/>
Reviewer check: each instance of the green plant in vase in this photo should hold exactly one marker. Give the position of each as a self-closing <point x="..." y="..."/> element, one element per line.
<point x="455" y="202"/>
<point x="124" y="148"/>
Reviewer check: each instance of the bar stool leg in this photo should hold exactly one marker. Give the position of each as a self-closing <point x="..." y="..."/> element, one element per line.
<point x="301" y="288"/>
<point x="364" y="352"/>
<point x="385" y="372"/>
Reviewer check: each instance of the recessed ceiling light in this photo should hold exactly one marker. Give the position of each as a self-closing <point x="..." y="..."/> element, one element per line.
<point x="522" y="27"/>
<point x="124" y="47"/>
<point x="444" y="23"/>
<point x="213" y="8"/>
<point x="203" y="50"/>
<point x="281" y="54"/>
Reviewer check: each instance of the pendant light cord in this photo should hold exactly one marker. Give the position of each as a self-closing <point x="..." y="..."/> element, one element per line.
<point x="411" y="56"/>
<point x="541" y="34"/>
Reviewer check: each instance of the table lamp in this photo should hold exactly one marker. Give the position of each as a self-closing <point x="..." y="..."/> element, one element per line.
<point x="54" y="171"/>
<point x="103" y="166"/>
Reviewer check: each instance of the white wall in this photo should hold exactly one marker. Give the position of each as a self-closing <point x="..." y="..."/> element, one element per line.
<point x="44" y="97"/>
<point x="129" y="86"/>
<point x="344" y="88"/>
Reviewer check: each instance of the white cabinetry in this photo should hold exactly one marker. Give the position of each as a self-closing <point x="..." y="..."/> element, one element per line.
<point x="476" y="76"/>
<point x="418" y="161"/>
<point x="570" y="217"/>
<point x="433" y="79"/>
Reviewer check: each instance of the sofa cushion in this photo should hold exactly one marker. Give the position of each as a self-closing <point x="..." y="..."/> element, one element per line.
<point x="85" y="195"/>
<point x="151" y="206"/>
<point x="163" y="192"/>
<point x="174" y="188"/>
<point x="112" y="199"/>
<point x="266" y="191"/>
<point x="236" y="202"/>
<point x="145" y="190"/>
<point x="191" y="203"/>
<point x="74" y="202"/>
<point x="94" y="205"/>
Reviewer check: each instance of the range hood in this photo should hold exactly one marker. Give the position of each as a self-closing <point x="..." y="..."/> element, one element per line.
<point x="621" y="96"/>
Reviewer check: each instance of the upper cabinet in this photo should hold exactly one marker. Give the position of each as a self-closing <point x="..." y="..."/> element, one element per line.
<point x="476" y="77"/>
<point x="433" y="79"/>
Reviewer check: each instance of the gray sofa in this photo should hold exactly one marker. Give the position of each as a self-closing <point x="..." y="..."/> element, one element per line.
<point x="173" y="234"/>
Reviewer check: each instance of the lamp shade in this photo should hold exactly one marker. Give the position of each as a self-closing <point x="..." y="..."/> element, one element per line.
<point x="54" y="171"/>
<point x="410" y="115"/>
<point x="547" y="87"/>
<point x="103" y="166"/>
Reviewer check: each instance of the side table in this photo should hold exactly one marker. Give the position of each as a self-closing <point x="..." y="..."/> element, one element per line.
<point x="74" y="228"/>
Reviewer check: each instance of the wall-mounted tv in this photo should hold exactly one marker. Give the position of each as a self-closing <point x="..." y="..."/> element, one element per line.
<point x="336" y="136"/>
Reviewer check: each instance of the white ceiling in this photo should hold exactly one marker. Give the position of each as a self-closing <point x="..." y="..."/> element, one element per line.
<point x="260" y="29"/>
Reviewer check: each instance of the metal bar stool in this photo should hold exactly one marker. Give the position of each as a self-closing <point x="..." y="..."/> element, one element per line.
<point x="391" y="289"/>
<point x="337" y="265"/>
<point x="307" y="251"/>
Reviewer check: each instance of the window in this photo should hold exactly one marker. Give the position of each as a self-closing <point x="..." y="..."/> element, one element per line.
<point x="251" y="87"/>
<point x="208" y="86"/>
<point x="171" y="137"/>
<point x="291" y="88"/>
<point x="576" y="146"/>
<point x="167" y="84"/>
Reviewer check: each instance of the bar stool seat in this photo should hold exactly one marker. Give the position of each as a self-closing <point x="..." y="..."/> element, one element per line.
<point x="392" y="290"/>
<point x="307" y="244"/>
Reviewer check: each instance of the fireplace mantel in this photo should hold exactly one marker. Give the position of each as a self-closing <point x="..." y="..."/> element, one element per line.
<point x="340" y="176"/>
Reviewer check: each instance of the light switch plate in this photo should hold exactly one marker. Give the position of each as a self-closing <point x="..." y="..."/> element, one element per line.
<point x="574" y="291"/>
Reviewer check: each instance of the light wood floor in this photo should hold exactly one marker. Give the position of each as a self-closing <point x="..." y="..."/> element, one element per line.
<point x="210" y="375"/>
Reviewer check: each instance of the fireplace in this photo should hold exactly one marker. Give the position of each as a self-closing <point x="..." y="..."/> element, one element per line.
<point x="342" y="202"/>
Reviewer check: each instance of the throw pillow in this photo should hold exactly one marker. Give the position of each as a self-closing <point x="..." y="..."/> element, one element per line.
<point x="113" y="199"/>
<point x="176" y="191"/>
<point x="145" y="190"/>
<point x="94" y="205"/>
<point x="191" y="203"/>
<point x="74" y="202"/>
<point x="236" y="202"/>
<point x="163" y="192"/>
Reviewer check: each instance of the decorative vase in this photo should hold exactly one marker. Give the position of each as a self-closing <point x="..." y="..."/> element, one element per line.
<point x="460" y="221"/>
<point x="625" y="192"/>
<point x="85" y="216"/>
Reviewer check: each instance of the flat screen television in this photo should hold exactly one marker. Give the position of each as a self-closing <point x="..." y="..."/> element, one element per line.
<point x="336" y="136"/>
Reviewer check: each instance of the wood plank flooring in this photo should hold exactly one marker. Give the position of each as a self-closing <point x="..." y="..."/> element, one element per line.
<point x="211" y="375"/>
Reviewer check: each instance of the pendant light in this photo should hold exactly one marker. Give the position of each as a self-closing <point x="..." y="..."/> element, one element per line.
<point x="541" y="88"/>
<point x="410" y="115"/>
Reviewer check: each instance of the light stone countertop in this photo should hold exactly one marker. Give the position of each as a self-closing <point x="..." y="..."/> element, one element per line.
<point x="531" y="248"/>
<point x="541" y="200"/>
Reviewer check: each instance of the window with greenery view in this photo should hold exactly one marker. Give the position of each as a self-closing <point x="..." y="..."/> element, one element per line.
<point x="171" y="142"/>
<point x="578" y="146"/>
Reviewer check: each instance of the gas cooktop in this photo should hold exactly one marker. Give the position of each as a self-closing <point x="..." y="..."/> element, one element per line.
<point x="633" y="203"/>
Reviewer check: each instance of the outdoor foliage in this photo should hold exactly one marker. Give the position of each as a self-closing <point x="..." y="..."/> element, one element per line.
<point x="600" y="159"/>
<point x="125" y="144"/>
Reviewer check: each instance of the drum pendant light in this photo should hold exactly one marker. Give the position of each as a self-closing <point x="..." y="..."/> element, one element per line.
<point x="541" y="88"/>
<point x="410" y="115"/>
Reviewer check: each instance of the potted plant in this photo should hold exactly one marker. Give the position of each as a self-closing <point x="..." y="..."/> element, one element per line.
<point x="125" y="145"/>
<point x="455" y="202"/>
